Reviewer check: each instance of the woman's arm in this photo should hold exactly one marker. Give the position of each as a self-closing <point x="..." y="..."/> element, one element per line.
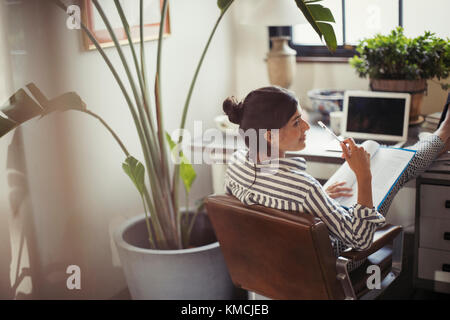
<point x="358" y="160"/>
<point x="365" y="190"/>
<point x="354" y="226"/>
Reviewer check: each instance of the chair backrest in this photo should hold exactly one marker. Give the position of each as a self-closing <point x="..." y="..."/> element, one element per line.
<point x="278" y="254"/>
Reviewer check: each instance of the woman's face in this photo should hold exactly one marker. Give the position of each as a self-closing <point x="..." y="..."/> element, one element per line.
<point x="292" y="136"/>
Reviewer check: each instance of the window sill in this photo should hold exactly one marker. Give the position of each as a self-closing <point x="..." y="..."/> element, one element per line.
<point x="323" y="59"/>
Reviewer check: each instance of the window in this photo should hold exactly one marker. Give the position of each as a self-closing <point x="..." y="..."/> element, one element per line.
<point x="358" y="19"/>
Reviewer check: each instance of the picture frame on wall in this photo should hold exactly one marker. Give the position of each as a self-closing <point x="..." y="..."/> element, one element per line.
<point x="152" y="17"/>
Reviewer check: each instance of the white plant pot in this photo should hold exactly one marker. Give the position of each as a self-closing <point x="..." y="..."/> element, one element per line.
<point x="195" y="273"/>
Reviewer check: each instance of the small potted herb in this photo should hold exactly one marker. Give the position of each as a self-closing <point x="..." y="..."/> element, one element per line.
<point x="397" y="63"/>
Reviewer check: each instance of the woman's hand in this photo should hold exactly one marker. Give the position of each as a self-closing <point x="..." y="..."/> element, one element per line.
<point x="336" y="190"/>
<point x="357" y="158"/>
<point x="359" y="161"/>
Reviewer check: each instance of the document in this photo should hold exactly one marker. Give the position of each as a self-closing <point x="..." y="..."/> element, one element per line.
<point x="386" y="164"/>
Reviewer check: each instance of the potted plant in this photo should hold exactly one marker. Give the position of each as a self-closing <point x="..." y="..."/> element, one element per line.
<point x="396" y="63"/>
<point x="165" y="253"/>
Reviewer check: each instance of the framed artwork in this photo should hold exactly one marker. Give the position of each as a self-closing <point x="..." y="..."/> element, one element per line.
<point x="152" y="17"/>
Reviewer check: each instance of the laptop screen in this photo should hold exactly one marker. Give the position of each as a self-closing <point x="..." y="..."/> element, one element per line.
<point x="376" y="115"/>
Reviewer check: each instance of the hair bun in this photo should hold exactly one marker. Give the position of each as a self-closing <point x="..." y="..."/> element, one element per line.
<point x="233" y="109"/>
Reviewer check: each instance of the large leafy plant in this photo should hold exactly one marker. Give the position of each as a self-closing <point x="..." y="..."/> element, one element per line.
<point x="158" y="190"/>
<point x="395" y="56"/>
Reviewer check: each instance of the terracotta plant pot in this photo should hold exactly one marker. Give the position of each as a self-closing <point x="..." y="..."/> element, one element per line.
<point x="416" y="88"/>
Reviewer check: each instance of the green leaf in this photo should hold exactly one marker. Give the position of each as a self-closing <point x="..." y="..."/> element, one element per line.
<point x="135" y="170"/>
<point x="395" y="56"/>
<point x="325" y="30"/>
<point x="6" y="125"/>
<point x="222" y="4"/>
<point x="172" y="144"/>
<point x="328" y="35"/>
<point x="20" y="107"/>
<point x="37" y="94"/>
<point x="303" y="8"/>
<point x="320" y="13"/>
<point x="64" y="102"/>
<point x="187" y="172"/>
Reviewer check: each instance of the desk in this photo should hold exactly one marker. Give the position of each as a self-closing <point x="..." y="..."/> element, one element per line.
<point x="432" y="237"/>
<point x="321" y="164"/>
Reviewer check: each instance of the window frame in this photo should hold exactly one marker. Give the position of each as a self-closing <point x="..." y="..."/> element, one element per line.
<point x="311" y="52"/>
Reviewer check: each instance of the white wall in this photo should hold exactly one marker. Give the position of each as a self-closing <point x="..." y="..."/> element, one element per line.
<point x="73" y="191"/>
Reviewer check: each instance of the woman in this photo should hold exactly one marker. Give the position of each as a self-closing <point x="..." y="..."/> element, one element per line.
<point x="263" y="175"/>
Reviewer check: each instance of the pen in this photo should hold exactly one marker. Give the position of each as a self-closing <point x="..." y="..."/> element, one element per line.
<point x="329" y="131"/>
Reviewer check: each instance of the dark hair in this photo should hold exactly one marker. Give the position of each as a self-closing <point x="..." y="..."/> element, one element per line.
<point x="263" y="108"/>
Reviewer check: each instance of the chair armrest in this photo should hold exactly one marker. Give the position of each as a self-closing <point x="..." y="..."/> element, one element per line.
<point x="382" y="237"/>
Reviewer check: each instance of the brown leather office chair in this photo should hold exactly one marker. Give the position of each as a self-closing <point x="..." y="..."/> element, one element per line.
<point x="285" y="255"/>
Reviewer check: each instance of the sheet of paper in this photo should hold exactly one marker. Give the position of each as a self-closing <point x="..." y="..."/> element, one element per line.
<point x="386" y="168"/>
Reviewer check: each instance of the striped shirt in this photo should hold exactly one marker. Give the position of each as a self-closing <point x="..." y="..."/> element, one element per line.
<point x="284" y="184"/>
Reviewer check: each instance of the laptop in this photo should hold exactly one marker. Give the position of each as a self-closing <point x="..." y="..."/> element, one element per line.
<point x="375" y="115"/>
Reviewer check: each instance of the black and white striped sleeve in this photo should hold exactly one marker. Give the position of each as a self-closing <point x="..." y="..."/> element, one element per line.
<point x="354" y="227"/>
